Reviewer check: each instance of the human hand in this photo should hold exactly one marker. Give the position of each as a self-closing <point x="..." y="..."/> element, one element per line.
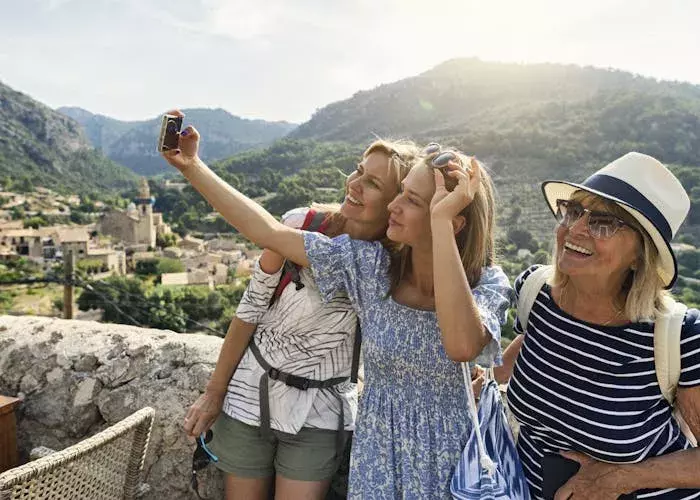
<point x="594" y="480"/>
<point x="202" y="414"/>
<point x="188" y="146"/>
<point x="448" y="204"/>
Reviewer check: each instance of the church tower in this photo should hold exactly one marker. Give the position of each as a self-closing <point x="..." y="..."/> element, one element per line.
<point x="145" y="202"/>
<point x="145" y="229"/>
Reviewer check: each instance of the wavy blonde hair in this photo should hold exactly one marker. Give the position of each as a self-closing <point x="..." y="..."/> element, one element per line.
<point x="402" y="154"/>
<point x="475" y="241"/>
<point x="643" y="288"/>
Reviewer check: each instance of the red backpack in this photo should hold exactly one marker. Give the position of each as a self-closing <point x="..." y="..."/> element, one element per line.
<point x="316" y="222"/>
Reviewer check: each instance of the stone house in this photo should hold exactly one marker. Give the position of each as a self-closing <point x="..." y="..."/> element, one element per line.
<point x="138" y="224"/>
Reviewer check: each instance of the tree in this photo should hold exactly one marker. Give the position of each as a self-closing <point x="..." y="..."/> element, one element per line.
<point x="522" y="238"/>
<point x="166" y="240"/>
<point x="17" y="212"/>
<point x="36" y="222"/>
<point x="90" y="266"/>
<point x="541" y="257"/>
<point x="147" y="267"/>
<point x="118" y="297"/>
<point x="166" y="265"/>
<point x="79" y="217"/>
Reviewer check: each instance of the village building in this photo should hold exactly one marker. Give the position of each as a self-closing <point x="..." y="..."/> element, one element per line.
<point x="138" y="224"/>
<point x="191" y="243"/>
<point x="22" y="242"/>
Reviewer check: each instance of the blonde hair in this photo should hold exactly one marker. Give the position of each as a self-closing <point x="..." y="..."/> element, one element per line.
<point x="643" y="287"/>
<point x="475" y="241"/>
<point x="401" y="155"/>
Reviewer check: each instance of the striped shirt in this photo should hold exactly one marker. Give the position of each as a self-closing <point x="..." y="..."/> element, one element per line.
<point x="301" y="335"/>
<point x="593" y="389"/>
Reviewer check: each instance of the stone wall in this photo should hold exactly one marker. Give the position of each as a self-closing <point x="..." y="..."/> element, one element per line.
<point x="79" y="377"/>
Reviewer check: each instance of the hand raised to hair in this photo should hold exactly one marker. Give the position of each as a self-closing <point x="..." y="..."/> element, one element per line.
<point x="448" y="204"/>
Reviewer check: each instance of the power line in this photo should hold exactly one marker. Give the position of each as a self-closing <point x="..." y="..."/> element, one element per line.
<point x="85" y="284"/>
<point x="109" y="301"/>
<point x="79" y="281"/>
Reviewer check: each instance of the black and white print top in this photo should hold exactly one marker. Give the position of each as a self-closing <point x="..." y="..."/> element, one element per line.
<point x="298" y="334"/>
<point x="593" y="389"/>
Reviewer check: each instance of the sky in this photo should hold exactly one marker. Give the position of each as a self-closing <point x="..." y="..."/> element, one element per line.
<point x="284" y="59"/>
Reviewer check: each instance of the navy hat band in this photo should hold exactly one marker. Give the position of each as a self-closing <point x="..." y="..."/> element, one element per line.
<point x="619" y="189"/>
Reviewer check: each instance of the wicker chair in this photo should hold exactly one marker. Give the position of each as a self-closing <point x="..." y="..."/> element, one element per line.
<point x="106" y="466"/>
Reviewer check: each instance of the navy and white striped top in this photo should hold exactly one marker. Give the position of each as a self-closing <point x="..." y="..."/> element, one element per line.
<point x="593" y="389"/>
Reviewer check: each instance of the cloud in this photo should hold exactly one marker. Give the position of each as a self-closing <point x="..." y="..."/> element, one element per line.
<point x="233" y="19"/>
<point x="51" y="5"/>
<point x="281" y="59"/>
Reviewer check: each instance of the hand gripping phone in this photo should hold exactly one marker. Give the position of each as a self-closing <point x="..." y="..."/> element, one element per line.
<point x="169" y="133"/>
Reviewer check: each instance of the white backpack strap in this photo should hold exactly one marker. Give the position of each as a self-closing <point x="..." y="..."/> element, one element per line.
<point x="667" y="347"/>
<point x="528" y="292"/>
<point x="667" y="357"/>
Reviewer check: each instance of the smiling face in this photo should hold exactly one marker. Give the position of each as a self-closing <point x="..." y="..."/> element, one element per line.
<point x="409" y="222"/>
<point x="369" y="189"/>
<point x="581" y="255"/>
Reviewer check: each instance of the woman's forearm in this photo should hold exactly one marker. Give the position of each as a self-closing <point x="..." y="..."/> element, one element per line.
<point x="675" y="470"/>
<point x="503" y="373"/>
<point x="235" y="344"/>
<point x="251" y="220"/>
<point x="463" y="334"/>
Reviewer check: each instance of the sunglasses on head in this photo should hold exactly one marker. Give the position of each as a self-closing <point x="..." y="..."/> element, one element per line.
<point x="443" y="158"/>
<point x="200" y="458"/>
<point x="601" y="225"/>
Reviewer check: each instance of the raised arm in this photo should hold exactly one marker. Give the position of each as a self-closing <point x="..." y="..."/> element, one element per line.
<point x="249" y="218"/>
<point x="463" y="332"/>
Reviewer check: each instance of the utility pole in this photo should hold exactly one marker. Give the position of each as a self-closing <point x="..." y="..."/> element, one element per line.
<point x="68" y="289"/>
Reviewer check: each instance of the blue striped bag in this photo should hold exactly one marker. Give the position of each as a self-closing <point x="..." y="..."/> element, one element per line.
<point x="489" y="468"/>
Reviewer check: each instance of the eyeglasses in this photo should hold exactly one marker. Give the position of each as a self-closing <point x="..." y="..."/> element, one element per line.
<point x="601" y="225"/>
<point x="200" y="458"/>
<point x="443" y="158"/>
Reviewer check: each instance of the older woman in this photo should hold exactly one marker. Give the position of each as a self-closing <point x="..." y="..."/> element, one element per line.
<point x="584" y="385"/>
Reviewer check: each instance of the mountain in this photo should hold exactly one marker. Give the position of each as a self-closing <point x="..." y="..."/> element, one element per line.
<point x="529" y="123"/>
<point x="463" y="96"/>
<point x="40" y="147"/>
<point x="133" y="143"/>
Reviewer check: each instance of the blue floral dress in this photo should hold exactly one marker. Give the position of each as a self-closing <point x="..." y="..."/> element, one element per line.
<point x="413" y="422"/>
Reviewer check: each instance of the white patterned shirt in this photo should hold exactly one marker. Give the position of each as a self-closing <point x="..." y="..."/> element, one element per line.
<point x="301" y="335"/>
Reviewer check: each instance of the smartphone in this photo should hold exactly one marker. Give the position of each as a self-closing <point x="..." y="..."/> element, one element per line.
<point x="169" y="133"/>
<point x="557" y="470"/>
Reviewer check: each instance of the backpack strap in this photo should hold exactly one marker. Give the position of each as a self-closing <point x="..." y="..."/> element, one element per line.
<point x="667" y="347"/>
<point x="315" y="222"/>
<point x="528" y="293"/>
<point x="668" y="327"/>
<point x="356" y="353"/>
<point x="301" y="383"/>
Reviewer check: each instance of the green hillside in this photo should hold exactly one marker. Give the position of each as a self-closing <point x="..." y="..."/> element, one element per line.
<point x="528" y="122"/>
<point x="40" y="147"/>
